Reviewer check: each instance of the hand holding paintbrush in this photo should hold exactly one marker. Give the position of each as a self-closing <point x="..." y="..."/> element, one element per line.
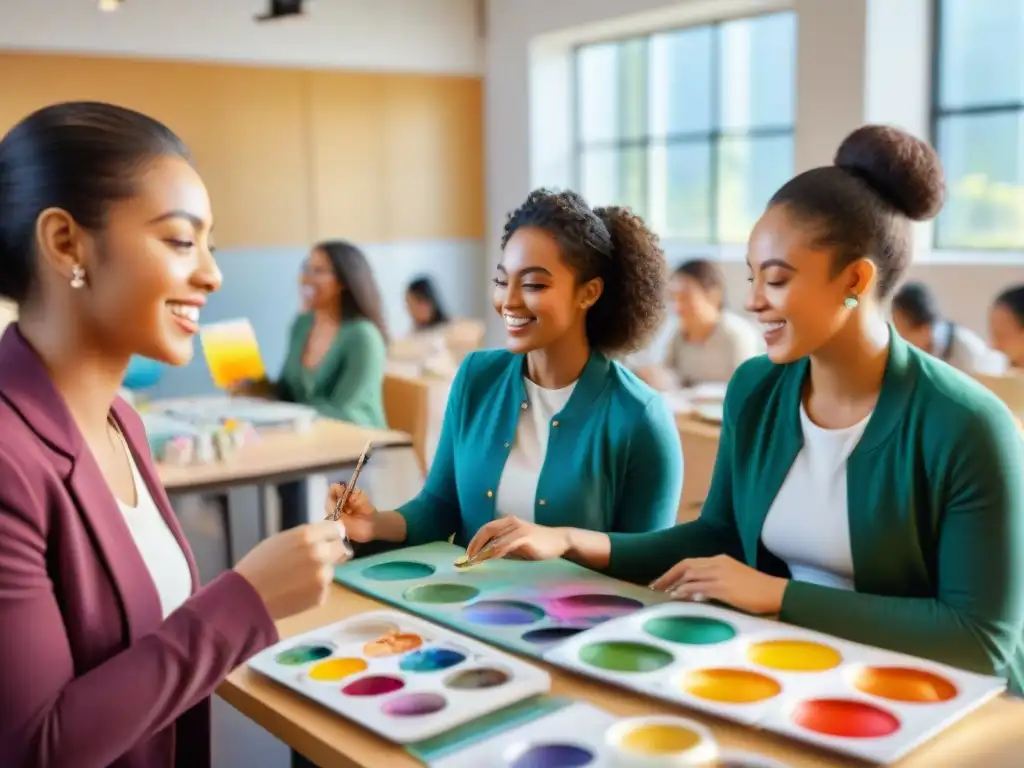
<point x="342" y="497"/>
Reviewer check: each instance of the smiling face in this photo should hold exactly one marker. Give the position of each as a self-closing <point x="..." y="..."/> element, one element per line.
<point x="148" y="272"/>
<point x="692" y="303"/>
<point x="537" y="295"/>
<point x="319" y="285"/>
<point x="793" y="292"/>
<point x="1007" y="334"/>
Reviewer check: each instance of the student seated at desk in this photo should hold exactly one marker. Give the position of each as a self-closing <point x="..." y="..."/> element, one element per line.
<point x="916" y="317"/>
<point x="426" y="348"/>
<point x="109" y="648"/>
<point x="862" y="488"/>
<point x="1006" y="323"/>
<point x="550" y="429"/>
<point x="423" y="302"/>
<point x="711" y="341"/>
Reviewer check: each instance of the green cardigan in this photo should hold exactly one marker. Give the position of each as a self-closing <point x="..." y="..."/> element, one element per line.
<point x="348" y="383"/>
<point x="613" y="460"/>
<point x="936" y="503"/>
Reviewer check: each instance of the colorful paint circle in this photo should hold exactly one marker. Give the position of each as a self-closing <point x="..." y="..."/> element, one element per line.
<point x="625" y="657"/>
<point x="374" y="685"/>
<point x="333" y="670"/>
<point x="553" y="756"/>
<point x="398" y="570"/>
<point x="414" y="705"/>
<point x="302" y="654"/>
<point x="502" y="613"/>
<point x="478" y="679"/>
<point x="431" y="660"/>
<point x="550" y="635"/>
<point x="592" y="607"/>
<point x="656" y="739"/>
<point x="392" y="645"/>
<point x="690" y="630"/>
<point x="844" y="718"/>
<point x="905" y="684"/>
<point x="436" y="594"/>
<point x="660" y="741"/>
<point x="730" y="686"/>
<point x="794" y="655"/>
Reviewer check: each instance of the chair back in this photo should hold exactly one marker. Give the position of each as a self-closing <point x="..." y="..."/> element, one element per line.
<point x="406" y="404"/>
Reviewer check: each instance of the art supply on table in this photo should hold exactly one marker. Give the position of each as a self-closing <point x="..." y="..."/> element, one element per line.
<point x="399" y="676"/>
<point x="519" y="605"/>
<point x="232" y="353"/>
<point x="869" y="703"/>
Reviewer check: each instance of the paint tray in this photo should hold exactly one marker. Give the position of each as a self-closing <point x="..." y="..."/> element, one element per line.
<point x="525" y="607"/>
<point x="861" y="701"/>
<point x="398" y="676"/>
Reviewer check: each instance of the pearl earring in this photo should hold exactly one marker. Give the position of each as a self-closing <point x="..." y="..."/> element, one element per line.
<point x="851" y="302"/>
<point x="77" y="277"/>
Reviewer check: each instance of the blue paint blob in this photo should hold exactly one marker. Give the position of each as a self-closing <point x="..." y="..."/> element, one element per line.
<point x="431" y="660"/>
<point x="554" y="756"/>
<point x="502" y="613"/>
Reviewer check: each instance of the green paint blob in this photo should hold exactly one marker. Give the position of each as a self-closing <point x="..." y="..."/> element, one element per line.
<point x="302" y="654"/>
<point x="625" y="657"/>
<point x="690" y="630"/>
<point x="441" y="593"/>
<point x="398" y="570"/>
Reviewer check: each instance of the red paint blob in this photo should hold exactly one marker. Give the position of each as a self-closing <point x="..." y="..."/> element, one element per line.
<point x="374" y="685"/>
<point x="849" y="719"/>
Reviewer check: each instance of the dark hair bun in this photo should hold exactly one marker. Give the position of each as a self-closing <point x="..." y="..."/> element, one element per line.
<point x="901" y="168"/>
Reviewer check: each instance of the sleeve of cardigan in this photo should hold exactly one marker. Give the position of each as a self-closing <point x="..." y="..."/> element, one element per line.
<point x="654" y="473"/>
<point x="361" y="377"/>
<point x="976" y="620"/>
<point x="434" y="514"/>
<point x="54" y="715"/>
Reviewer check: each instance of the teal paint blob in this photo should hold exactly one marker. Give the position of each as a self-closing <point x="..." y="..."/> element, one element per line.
<point x="398" y="570"/>
<point x="302" y="654"/>
<point x="437" y="594"/>
<point x="690" y="630"/>
<point x="431" y="660"/>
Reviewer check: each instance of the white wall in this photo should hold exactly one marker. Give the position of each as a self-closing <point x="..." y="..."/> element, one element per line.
<point x="394" y="35"/>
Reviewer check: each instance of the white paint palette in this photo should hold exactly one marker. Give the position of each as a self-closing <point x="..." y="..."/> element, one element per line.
<point x="399" y="676"/>
<point x="849" y="698"/>
<point x="583" y="736"/>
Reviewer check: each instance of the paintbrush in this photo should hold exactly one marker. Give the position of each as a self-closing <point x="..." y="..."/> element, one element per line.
<point x="336" y="515"/>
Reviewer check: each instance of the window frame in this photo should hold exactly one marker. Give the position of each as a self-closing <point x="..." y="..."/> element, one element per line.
<point x="712" y="138"/>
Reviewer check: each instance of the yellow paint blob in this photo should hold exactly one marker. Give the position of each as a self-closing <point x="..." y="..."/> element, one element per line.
<point x="795" y="655"/>
<point x="730" y="686"/>
<point x="332" y="670"/>
<point x="660" y="739"/>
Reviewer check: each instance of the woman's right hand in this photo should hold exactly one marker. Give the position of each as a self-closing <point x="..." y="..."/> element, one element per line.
<point x="359" y="515"/>
<point x="293" y="570"/>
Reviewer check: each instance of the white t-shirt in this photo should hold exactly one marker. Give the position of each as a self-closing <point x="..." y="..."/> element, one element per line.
<point x="517" y="489"/>
<point x="808" y="524"/>
<point x="159" y="549"/>
<point x="734" y="340"/>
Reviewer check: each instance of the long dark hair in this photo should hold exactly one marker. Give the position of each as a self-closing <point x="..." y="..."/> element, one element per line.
<point x="423" y="289"/>
<point x="360" y="296"/>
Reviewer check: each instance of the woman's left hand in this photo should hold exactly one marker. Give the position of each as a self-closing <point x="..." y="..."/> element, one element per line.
<point x="724" y="579"/>
<point x="512" y="536"/>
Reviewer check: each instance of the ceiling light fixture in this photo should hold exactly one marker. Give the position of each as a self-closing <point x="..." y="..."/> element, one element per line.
<point x="108" y="5"/>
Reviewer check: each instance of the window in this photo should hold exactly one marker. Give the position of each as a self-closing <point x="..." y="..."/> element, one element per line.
<point x="692" y="128"/>
<point x="978" y="122"/>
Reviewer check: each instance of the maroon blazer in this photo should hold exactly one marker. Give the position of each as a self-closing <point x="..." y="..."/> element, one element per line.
<point x="91" y="675"/>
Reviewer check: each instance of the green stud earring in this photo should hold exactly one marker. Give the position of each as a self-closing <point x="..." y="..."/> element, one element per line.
<point x="851" y="302"/>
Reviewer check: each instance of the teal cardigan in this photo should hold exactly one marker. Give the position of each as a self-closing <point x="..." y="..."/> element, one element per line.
<point x="348" y="383"/>
<point x="613" y="460"/>
<point x="936" y="503"/>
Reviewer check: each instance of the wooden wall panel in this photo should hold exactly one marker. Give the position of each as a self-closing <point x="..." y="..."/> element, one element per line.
<point x="291" y="156"/>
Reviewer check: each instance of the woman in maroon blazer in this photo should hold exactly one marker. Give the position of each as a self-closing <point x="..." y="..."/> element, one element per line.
<point x="109" y="649"/>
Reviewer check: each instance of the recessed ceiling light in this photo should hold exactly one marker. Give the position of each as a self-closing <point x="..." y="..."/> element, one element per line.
<point x="109" y="5"/>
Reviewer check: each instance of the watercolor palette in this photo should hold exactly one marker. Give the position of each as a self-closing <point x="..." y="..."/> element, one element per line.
<point x="399" y="676"/>
<point x="526" y="607"/>
<point x="580" y="735"/>
<point x="868" y="703"/>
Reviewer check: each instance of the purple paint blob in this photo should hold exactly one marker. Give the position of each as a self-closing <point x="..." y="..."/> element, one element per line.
<point x="592" y="607"/>
<point x="374" y="685"/>
<point x="554" y="756"/>
<point x="414" y="705"/>
<point x="502" y="613"/>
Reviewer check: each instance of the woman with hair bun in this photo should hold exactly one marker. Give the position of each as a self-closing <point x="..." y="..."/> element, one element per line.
<point x="862" y="488"/>
<point x="551" y="432"/>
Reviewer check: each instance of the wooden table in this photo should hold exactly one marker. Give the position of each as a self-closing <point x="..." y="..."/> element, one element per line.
<point x="991" y="737"/>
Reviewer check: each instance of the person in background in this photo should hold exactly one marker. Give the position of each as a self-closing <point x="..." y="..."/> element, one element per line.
<point x="1006" y="326"/>
<point x="711" y="341"/>
<point x="916" y="317"/>
<point x="424" y="305"/>
<point x="862" y="488"/>
<point x="110" y="647"/>
<point x="550" y="429"/>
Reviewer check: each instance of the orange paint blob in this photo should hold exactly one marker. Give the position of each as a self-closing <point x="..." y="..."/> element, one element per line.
<point x="849" y="719"/>
<point x="730" y="686"/>
<point x="905" y="684"/>
<point x="392" y="645"/>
